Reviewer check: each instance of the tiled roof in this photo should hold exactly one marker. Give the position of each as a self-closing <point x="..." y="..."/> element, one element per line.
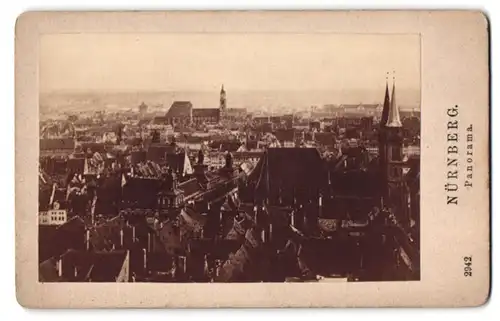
<point x="176" y="161"/>
<point x="137" y="156"/>
<point x="318" y="256"/>
<point x="76" y="165"/>
<point x="285" y="134"/>
<point x="143" y="122"/>
<point x="149" y="169"/>
<point x="83" y="122"/>
<point x="84" y="266"/>
<point x="288" y="168"/>
<point x="57" y="143"/>
<point x="326" y="139"/>
<point x="47" y="271"/>
<point x="226" y="145"/>
<point x="58" y="240"/>
<point x="106" y="266"/>
<point x="355" y="183"/>
<point x="141" y="192"/>
<point x="349" y="106"/>
<point x="206" y="112"/>
<point x="158" y="152"/>
<point x="235" y="268"/>
<point x="94" y="147"/>
<point x="191" y="139"/>
<point x="239" y="228"/>
<point x="44" y="198"/>
<point x="180" y="109"/>
<point x="159" y="120"/>
<point x="251" y="144"/>
<point x="190" y="187"/>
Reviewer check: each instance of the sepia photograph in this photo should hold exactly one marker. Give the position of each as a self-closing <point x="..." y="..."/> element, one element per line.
<point x="287" y="159"/>
<point x="229" y="157"/>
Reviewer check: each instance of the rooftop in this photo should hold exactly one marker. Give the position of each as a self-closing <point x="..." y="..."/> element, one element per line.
<point x="180" y="109"/>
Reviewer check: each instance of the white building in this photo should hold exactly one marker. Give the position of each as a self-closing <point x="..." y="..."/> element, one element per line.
<point x="54" y="216"/>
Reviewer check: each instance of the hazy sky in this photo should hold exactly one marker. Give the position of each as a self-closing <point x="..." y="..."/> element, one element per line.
<point x="202" y="62"/>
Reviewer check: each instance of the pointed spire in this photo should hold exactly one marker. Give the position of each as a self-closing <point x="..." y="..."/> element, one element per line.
<point x="394" y="119"/>
<point x="385" y="110"/>
<point x="222" y="89"/>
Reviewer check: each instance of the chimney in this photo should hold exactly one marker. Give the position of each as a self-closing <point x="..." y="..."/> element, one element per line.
<point x="121" y="237"/>
<point x="182" y="263"/>
<point x="218" y="267"/>
<point x="149" y="242"/>
<point x="145" y="256"/>
<point x="87" y="239"/>
<point x="320" y="206"/>
<point x="133" y="233"/>
<point x="59" y="267"/>
<point x="205" y="264"/>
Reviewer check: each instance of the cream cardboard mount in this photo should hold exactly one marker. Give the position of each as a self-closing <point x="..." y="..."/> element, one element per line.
<point x="252" y="159"/>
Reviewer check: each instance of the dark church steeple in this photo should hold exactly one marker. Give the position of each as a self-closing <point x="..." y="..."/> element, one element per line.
<point x="394" y="119"/>
<point x="390" y="146"/>
<point x="387" y="105"/>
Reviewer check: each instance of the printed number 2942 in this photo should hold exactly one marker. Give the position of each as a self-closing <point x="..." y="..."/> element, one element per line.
<point x="467" y="266"/>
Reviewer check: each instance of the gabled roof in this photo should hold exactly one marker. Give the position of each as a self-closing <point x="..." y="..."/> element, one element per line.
<point x="289" y="168"/>
<point x="206" y="112"/>
<point x="190" y="220"/>
<point x="180" y="109"/>
<point x="57" y="241"/>
<point x="106" y="266"/>
<point x="47" y="271"/>
<point x="96" y="266"/>
<point x="57" y="143"/>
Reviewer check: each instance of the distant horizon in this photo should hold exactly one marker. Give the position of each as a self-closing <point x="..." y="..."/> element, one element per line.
<point x="130" y="91"/>
<point x="253" y="100"/>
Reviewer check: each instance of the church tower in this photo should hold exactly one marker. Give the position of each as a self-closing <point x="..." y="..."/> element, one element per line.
<point x="222" y="105"/>
<point x="382" y="142"/>
<point x="393" y="155"/>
